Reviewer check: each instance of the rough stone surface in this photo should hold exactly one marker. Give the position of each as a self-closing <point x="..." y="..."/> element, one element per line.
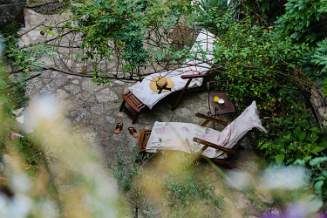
<point x="73" y="89"/>
<point x="106" y="95"/>
<point x="61" y="94"/>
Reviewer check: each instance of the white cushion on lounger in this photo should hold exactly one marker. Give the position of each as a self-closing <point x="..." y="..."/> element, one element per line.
<point x="150" y="98"/>
<point x="246" y="121"/>
<point x="176" y="136"/>
<point x="202" y="55"/>
<point x="179" y="136"/>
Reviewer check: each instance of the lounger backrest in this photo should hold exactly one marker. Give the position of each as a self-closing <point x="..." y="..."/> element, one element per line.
<point x="246" y="121"/>
<point x="202" y="49"/>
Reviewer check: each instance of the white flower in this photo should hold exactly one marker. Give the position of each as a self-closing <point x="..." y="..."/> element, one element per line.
<point x="238" y="179"/>
<point x="291" y="177"/>
<point x="41" y="108"/>
<point x="48" y="209"/>
<point x="303" y="208"/>
<point x="19" y="207"/>
<point x="21" y="182"/>
<point x="3" y="206"/>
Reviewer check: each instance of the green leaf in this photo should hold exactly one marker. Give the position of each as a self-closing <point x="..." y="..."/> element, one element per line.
<point x="317" y="149"/>
<point x="317" y="161"/>
<point x="318" y="186"/>
<point x="300" y="134"/>
<point x="280" y="158"/>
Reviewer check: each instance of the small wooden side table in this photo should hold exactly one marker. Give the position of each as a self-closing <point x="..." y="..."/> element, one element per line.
<point x="216" y="109"/>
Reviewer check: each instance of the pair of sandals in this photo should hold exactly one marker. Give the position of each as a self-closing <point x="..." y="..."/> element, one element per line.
<point x="119" y="128"/>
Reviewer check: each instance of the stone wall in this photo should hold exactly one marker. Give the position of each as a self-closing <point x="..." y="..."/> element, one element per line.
<point x="11" y="10"/>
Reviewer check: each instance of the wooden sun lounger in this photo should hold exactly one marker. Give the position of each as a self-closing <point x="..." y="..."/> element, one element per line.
<point x="133" y="106"/>
<point x="145" y="135"/>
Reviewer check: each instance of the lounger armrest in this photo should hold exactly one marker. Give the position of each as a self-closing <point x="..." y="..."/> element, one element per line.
<point x="143" y="138"/>
<point x="212" y="145"/>
<point x="193" y="76"/>
<point x="211" y="118"/>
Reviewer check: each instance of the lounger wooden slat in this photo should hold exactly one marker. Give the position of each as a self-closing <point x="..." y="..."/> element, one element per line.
<point x="132" y="106"/>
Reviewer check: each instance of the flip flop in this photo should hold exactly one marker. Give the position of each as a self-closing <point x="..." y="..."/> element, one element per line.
<point x="133" y="132"/>
<point x="118" y="128"/>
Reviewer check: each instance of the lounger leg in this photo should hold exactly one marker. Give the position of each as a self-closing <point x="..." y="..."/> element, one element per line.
<point x="181" y="95"/>
<point x="205" y="122"/>
<point x="224" y="163"/>
<point x="122" y="106"/>
<point x="135" y="116"/>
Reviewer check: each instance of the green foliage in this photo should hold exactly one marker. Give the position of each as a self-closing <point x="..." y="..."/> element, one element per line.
<point x="260" y="11"/>
<point x="119" y="21"/>
<point x="125" y="171"/>
<point x="166" y="14"/>
<point x="213" y="14"/>
<point x="325" y="86"/>
<point x="302" y="141"/>
<point x="12" y="96"/>
<point x="319" y="58"/>
<point x="319" y="173"/>
<point x="300" y="17"/>
<point x="26" y="59"/>
<point x="189" y="190"/>
<point x="23" y="61"/>
<point x="260" y="63"/>
<point x="318" y="166"/>
<point x="5" y="108"/>
<point x="259" y="66"/>
<point x="32" y="154"/>
<point x="120" y="27"/>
